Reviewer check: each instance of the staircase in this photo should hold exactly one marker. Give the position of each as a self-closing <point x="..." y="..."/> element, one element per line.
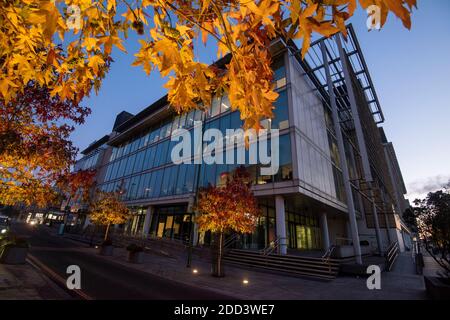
<point x="318" y="268"/>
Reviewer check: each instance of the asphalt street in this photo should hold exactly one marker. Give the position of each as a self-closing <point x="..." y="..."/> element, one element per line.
<point x="103" y="279"/>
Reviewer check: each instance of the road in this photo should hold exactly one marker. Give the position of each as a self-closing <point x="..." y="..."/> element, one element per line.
<point x="102" y="279"/>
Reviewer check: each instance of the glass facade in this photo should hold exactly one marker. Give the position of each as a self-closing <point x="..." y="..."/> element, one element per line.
<point x="89" y="161"/>
<point x="302" y="229"/>
<point x="171" y="222"/>
<point x="142" y="168"/>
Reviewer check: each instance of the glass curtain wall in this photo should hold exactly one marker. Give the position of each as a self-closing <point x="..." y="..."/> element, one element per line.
<point x="172" y="222"/>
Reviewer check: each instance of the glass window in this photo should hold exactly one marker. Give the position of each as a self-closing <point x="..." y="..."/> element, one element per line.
<point x="182" y="123"/>
<point x="334" y="151"/>
<point x="165" y="155"/>
<point x="210" y="175"/>
<point x="134" y="145"/>
<point x="235" y="121"/>
<point x="140" y="188"/>
<point x="173" y="180"/>
<point x="156" y="185"/>
<point x="114" y="167"/>
<point x="225" y="123"/>
<point x="145" y="186"/>
<point x="339" y="184"/>
<point x="225" y="104"/>
<point x="180" y="189"/>
<point x="139" y="161"/>
<point x="130" y="165"/>
<point x="123" y="187"/>
<point x="151" y="184"/>
<point x="215" y="106"/>
<point x="190" y="177"/>
<point x="175" y="123"/>
<point x="285" y="169"/>
<point x="165" y="130"/>
<point x="198" y="115"/>
<point x="146" y="140"/>
<point x="134" y="184"/>
<point x="120" y="151"/>
<point x="154" y="135"/>
<point x="166" y="181"/>
<point x="108" y="172"/>
<point x="149" y="157"/>
<point x="279" y="70"/>
<point x="158" y="155"/>
<point x="126" y="150"/>
<point x="121" y="168"/>
<point x="190" y="119"/>
<point x="281" y="116"/>
<point x="113" y="154"/>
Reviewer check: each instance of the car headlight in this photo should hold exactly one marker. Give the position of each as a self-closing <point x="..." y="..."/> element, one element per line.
<point x="4" y="231"/>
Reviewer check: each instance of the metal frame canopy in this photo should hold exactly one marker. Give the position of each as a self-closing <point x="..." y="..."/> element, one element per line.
<point x="314" y="66"/>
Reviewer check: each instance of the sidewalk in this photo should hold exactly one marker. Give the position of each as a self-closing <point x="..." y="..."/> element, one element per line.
<point x="395" y="285"/>
<point x="431" y="267"/>
<point x="23" y="282"/>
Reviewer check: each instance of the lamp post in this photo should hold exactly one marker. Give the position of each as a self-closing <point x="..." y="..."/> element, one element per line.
<point x="196" y="186"/>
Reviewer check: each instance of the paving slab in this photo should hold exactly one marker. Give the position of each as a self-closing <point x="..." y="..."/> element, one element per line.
<point x="262" y="285"/>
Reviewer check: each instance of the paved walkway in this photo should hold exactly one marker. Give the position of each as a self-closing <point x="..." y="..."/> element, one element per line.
<point x="431" y="267"/>
<point x="394" y="285"/>
<point x="23" y="282"/>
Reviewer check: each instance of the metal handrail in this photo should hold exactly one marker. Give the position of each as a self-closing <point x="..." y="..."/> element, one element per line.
<point x="272" y="246"/>
<point x="391" y="254"/>
<point x="327" y="257"/>
<point x="328" y="253"/>
<point x="228" y="242"/>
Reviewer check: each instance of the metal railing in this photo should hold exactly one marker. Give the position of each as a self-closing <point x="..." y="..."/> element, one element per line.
<point x="231" y="240"/>
<point x="327" y="257"/>
<point x="273" y="245"/>
<point x="391" y="255"/>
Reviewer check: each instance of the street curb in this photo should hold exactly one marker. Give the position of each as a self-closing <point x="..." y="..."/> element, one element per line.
<point x="61" y="282"/>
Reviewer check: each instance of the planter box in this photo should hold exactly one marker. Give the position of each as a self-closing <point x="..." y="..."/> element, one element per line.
<point x="437" y="289"/>
<point x="135" y="257"/>
<point x="106" y="250"/>
<point x="347" y="251"/>
<point x="13" y="255"/>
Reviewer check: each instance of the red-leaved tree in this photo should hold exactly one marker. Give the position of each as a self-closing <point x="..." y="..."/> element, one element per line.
<point x="231" y="207"/>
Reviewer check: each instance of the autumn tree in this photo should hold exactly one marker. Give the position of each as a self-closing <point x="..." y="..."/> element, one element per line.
<point x="61" y="50"/>
<point x="227" y="208"/>
<point x="35" y="149"/>
<point x="433" y="216"/>
<point x="107" y="209"/>
<point x="66" y="45"/>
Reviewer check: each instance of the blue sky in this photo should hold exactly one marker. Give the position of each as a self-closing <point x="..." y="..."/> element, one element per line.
<point x="410" y="71"/>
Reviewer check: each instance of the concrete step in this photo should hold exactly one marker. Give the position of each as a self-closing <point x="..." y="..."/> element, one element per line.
<point x="301" y="266"/>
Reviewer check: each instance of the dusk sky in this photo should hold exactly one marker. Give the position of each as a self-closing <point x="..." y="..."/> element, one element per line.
<point x="410" y="71"/>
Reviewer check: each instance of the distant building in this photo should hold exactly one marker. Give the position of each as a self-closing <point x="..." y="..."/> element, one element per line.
<point x="307" y="203"/>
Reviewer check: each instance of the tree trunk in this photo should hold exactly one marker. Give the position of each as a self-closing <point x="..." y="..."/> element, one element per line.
<point x="220" y="272"/>
<point x="107" y="231"/>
